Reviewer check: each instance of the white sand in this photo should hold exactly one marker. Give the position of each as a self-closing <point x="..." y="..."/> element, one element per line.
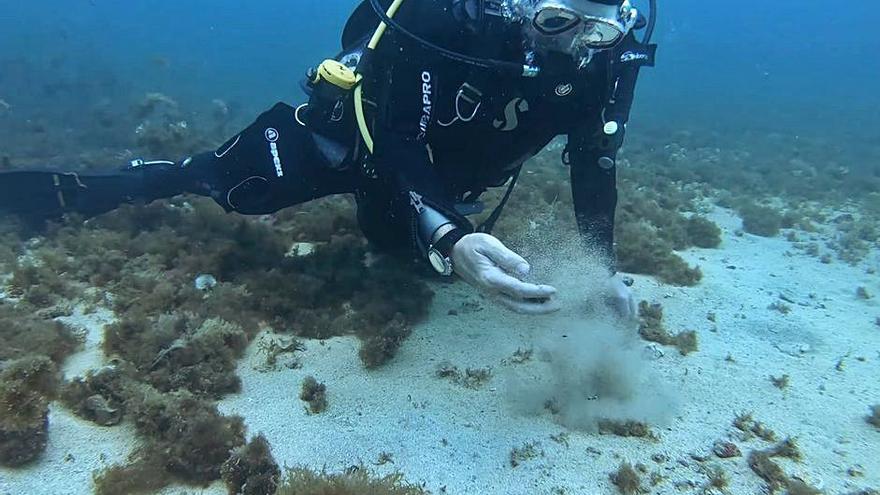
<point x="91" y="327"/>
<point x="448" y="436"/>
<point x="76" y="448"/>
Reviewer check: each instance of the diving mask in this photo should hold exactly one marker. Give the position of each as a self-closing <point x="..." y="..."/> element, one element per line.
<point x="599" y="25"/>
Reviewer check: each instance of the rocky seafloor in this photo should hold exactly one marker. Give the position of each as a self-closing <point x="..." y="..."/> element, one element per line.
<point x="172" y="347"/>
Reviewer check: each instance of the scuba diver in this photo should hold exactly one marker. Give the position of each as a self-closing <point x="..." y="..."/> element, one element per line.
<point x="429" y="104"/>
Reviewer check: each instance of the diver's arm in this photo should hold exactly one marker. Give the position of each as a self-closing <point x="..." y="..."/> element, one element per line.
<point x="420" y="203"/>
<point x="405" y="89"/>
<point x="592" y="157"/>
<point x="443" y="237"/>
<point x="446" y="240"/>
<point x="593" y="146"/>
<point x="242" y="175"/>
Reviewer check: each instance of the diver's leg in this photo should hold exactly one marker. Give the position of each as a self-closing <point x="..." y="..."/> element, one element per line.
<point x="277" y="162"/>
<point x="272" y="164"/>
<point x="42" y="194"/>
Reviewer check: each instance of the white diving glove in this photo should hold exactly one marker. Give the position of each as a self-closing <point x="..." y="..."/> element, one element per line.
<point x="484" y="262"/>
<point x="620" y="298"/>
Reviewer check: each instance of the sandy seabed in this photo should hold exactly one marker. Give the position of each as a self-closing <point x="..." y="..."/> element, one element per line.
<point x="459" y="440"/>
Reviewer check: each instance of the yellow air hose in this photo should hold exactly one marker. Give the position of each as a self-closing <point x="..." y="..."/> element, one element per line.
<point x="358" y="90"/>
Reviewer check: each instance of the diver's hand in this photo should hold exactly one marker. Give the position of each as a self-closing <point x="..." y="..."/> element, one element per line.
<point x="485" y="263"/>
<point x="620" y="298"/>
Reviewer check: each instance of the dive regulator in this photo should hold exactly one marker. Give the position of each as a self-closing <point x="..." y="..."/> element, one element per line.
<point x="331" y="85"/>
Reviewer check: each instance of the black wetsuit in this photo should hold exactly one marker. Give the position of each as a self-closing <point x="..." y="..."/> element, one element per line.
<point x="422" y="144"/>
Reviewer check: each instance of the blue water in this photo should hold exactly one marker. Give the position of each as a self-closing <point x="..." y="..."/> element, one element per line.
<point x="788" y="64"/>
<point x="785" y="65"/>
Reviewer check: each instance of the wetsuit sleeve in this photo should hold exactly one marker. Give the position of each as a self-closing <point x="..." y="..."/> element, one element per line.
<point x="594" y="187"/>
<point x="593" y="146"/>
<point x="404" y="165"/>
<point x="406" y="92"/>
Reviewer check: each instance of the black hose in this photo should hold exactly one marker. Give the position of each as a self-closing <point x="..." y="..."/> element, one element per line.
<point x="652" y="21"/>
<point x="501" y="66"/>
<point x="458" y="57"/>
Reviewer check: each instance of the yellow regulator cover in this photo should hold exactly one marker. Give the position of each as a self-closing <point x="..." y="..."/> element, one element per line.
<point x="336" y="74"/>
